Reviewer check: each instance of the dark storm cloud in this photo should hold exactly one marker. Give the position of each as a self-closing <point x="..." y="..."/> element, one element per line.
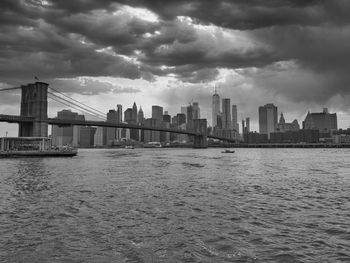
<point x="67" y="39"/>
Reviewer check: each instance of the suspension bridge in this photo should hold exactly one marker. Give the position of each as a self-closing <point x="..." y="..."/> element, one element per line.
<point x="33" y="120"/>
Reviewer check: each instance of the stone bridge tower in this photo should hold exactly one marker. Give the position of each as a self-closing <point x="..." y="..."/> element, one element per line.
<point x="200" y="126"/>
<point x="34" y="104"/>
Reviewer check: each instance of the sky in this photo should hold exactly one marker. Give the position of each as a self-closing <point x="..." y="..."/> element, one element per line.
<point x="293" y="53"/>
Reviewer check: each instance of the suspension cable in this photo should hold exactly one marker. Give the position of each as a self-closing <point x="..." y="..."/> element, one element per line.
<point x="77" y="105"/>
<point x="76" y="108"/>
<point x="100" y="112"/>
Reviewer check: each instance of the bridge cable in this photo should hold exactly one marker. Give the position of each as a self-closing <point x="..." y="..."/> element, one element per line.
<point x="77" y="105"/>
<point x="76" y="108"/>
<point x="77" y="101"/>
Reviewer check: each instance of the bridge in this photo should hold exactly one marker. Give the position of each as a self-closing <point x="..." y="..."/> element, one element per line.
<point x="33" y="120"/>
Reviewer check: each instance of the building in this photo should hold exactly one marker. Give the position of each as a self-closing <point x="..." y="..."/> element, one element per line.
<point x="111" y="133"/>
<point x="196" y="110"/>
<point x="267" y="119"/>
<point x="151" y="136"/>
<point x="140" y="116"/>
<point x="226" y="114"/>
<point x="215" y="108"/>
<point x="324" y="121"/>
<point x="181" y="118"/>
<point x="157" y="113"/>
<point x="100" y="137"/>
<point x="87" y="136"/>
<point x="67" y="135"/>
<point x="120" y="119"/>
<point x="284" y="126"/>
<point x="235" y="124"/>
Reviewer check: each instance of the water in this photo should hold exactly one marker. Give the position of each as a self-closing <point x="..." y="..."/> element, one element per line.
<point x="177" y="205"/>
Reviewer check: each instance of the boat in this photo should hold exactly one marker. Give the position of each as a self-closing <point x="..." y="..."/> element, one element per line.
<point x="153" y="145"/>
<point x="228" y="151"/>
<point x="129" y="147"/>
<point x="16" y="147"/>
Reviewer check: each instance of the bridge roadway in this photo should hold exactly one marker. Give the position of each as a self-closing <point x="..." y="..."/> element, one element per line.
<point x="54" y="121"/>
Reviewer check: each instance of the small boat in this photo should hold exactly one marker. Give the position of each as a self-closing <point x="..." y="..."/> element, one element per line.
<point x="228" y="151"/>
<point x="153" y="145"/>
<point x="129" y="147"/>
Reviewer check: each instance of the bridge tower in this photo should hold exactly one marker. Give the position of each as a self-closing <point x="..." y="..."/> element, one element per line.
<point x="200" y="126"/>
<point x="34" y="104"/>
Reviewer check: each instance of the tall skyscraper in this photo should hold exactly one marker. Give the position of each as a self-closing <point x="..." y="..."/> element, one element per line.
<point x="111" y="133"/>
<point x="267" y="119"/>
<point x="196" y="110"/>
<point x="215" y="108"/>
<point x="140" y="116"/>
<point x="134" y="113"/>
<point x="235" y="124"/>
<point x="247" y="123"/>
<point x="226" y="114"/>
<point x="120" y="119"/>
<point x="157" y="113"/>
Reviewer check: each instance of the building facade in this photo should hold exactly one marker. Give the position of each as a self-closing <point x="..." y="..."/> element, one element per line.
<point x="267" y="119"/>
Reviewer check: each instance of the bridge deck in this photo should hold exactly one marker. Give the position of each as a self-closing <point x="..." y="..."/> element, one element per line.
<point x="54" y="121"/>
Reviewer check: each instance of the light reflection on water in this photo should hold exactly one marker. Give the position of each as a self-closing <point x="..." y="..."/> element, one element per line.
<point x="177" y="205"/>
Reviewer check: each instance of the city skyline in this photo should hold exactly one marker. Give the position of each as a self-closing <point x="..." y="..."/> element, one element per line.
<point x="292" y="54"/>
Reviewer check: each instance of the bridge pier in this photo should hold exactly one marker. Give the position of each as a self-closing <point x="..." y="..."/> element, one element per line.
<point x="200" y="126"/>
<point x="34" y="104"/>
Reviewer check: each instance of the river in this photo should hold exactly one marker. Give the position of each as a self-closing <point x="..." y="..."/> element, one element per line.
<point x="177" y="205"/>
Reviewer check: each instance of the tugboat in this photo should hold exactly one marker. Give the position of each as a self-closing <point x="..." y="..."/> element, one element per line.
<point x="228" y="151"/>
<point x="14" y="147"/>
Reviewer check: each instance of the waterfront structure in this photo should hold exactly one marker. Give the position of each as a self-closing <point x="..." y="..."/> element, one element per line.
<point x="284" y="126"/>
<point x="215" y="108"/>
<point x="67" y="135"/>
<point x="324" y="121"/>
<point x="267" y="119"/>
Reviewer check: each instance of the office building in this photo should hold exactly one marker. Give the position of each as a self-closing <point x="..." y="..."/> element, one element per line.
<point x="324" y="121"/>
<point x="111" y="133"/>
<point x="226" y="114"/>
<point x="267" y="119"/>
<point x="157" y="113"/>
<point x="66" y="135"/>
<point x="235" y="124"/>
<point x="284" y="126"/>
<point x="215" y="108"/>
<point x="87" y="135"/>
<point x="196" y="110"/>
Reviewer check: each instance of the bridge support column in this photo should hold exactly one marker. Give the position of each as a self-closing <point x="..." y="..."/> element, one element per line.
<point x="200" y="126"/>
<point x="34" y="104"/>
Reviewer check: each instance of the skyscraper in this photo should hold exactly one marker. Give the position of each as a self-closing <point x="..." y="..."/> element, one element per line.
<point x="215" y="108"/>
<point x="134" y="113"/>
<point x="267" y="119"/>
<point x="140" y="116"/>
<point x="111" y="133"/>
<point x="196" y="110"/>
<point x="119" y="119"/>
<point x="235" y="124"/>
<point x="226" y="114"/>
<point x="157" y="113"/>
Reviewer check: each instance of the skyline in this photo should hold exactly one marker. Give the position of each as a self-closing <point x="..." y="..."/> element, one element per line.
<point x="290" y="53"/>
